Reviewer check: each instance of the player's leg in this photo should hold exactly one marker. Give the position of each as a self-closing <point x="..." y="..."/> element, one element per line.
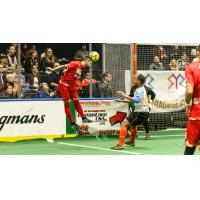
<point x="122" y="135"/>
<point x="78" y="107"/>
<point x="146" y="125"/>
<point x="192" y="136"/>
<point x="133" y="135"/>
<point x="64" y="94"/>
<point x="136" y="119"/>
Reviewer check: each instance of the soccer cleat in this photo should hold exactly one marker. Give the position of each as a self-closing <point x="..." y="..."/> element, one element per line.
<point x="118" y="147"/>
<point x="86" y="120"/>
<point x="78" y="129"/>
<point x="147" y="136"/>
<point x="129" y="143"/>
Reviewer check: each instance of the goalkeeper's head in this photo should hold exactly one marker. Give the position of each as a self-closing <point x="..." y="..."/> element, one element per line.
<point x="140" y="80"/>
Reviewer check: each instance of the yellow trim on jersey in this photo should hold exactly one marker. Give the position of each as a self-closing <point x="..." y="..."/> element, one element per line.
<point x="194" y="118"/>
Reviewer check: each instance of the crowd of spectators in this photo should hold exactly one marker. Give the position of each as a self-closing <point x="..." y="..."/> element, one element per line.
<point x="165" y="57"/>
<point x="33" y="80"/>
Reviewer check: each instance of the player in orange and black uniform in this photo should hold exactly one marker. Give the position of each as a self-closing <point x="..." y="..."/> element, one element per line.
<point x="68" y="88"/>
<point x="192" y="103"/>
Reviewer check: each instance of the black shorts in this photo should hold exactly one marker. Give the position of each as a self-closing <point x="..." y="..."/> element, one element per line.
<point x="137" y="118"/>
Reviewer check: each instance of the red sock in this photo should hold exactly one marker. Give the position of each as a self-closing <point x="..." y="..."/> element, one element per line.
<point x="78" y="108"/>
<point x="133" y="134"/>
<point x="68" y="112"/>
<point x="122" y="135"/>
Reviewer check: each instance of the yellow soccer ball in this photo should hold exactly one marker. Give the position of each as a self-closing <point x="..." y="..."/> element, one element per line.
<point x="94" y="56"/>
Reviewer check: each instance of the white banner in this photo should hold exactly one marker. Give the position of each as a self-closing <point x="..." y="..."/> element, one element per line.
<point x="32" y="118"/>
<point x="169" y="87"/>
<point x="100" y="111"/>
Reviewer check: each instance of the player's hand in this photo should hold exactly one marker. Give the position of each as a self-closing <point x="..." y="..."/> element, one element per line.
<point x="120" y="93"/>
<point x="52" y="94"/>
<point x="49" y="69"/>
<point x="187" y="109"/>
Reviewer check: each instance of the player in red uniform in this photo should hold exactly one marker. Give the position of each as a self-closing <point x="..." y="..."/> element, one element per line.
<point x="68" y="88"/>
<point x="192" y="104"/>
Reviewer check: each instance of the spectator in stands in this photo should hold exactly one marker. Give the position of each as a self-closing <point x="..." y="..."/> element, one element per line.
<point x="2" y="77"/>
<point x="105" y="89"/>
<point x="156" y="65"/>
<point x="161" y="53"/>
<point x="196" y="55"/>
<point x="31" y="60"/>
<point x="86" y="81"/>
<point x="24" y="86"/>
<point x="4" y="61"/>
<point x="10" y="81"/>
<point x="183" y="61"/>
<point x="32" y="48"/>
<point x="85" y="85"/>
<point x="82" y="53"/>
<point x="173" y="65"/>
<point x="34" y="79"/>
<point x="44" y="91"/>
<point x="175" y="52"/>
<point x="48" y="60"/>
<point x="8" y="92"/>
<point x="12" y="59"/>
<point x="54" y="77"/>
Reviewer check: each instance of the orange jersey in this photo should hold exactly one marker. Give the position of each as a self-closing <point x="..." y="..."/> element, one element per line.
<point x="86" y="82"/>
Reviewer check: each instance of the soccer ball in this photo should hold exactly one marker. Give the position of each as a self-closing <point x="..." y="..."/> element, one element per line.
<point x="94" y="56"/>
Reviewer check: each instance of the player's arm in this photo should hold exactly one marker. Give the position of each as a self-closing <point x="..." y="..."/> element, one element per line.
<point x="122" y="100"/>
<point x="60" y="67"/>
<point x="135" y="99"/>
<point x="188" y="93"/>
<point x="189" y="87"/>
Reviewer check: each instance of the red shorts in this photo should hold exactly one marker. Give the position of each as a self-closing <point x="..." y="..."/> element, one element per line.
<point x="67" y="92"/>
<point x="193" y="133"/>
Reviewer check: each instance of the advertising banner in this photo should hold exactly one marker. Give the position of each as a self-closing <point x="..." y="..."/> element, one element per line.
<point x="105" y="113"/>
<point x="169" y="87"/>
<point x="32" y="118"/>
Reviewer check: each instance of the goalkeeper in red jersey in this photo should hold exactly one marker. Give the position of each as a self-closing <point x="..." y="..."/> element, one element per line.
<point x="192" y="104"/>
<point x="68" y="87"/>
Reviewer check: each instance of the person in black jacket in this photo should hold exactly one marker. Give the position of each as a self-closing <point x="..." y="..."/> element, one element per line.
<point x="105" y="89"/>
<point x="48" y="60"/>
<point x="31" y="60"/>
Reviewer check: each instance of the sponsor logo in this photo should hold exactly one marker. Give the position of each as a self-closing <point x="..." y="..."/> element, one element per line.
<point x="26" y="119"/>
<point x="177" y="81"/>
<point x="149" y="80"/>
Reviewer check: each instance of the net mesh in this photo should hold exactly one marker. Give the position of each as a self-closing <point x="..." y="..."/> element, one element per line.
<point x="172" y="57"/>
<point x="117" y="60"/>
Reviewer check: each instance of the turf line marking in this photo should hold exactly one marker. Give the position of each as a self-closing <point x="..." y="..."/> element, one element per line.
<point x="99" y="148"/>
<point x="160" y="136"/>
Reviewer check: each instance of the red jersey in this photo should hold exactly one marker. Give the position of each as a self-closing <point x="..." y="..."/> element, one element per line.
<point x="73" y="73"/>
<point x="192" y="75"/>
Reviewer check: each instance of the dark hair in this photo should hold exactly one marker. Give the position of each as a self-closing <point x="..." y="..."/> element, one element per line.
<point x="105" y="75"/>
<point x="141" y="78"/>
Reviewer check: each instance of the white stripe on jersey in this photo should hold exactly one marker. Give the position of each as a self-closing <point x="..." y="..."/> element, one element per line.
<point x="143" y="105"/>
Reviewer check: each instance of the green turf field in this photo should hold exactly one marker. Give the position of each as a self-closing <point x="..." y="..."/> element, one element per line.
<point x="161" y="143"/>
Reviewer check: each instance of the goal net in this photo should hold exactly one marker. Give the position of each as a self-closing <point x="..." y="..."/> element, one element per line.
<point x="163" y="66"/>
